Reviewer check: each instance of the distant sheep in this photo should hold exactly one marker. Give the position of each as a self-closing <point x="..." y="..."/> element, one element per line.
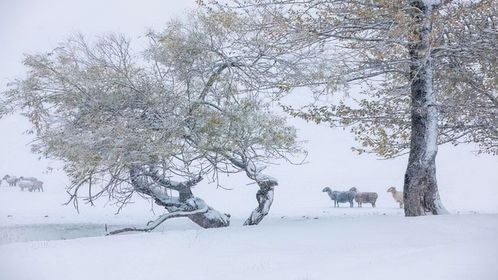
<point x="30" y="183"/>
<point x="25" y="184"/>
<point x="340" y="197"/>
<point x="11" y="180"/>
<point x="37" y="186"/>
<point x="398" y="196"/>
<point x="365" y="197"/>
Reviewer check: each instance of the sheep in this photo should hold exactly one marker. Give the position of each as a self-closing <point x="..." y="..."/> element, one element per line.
<point x="365" y="197"/>
<point x="35" y="184"/>
<point x="25" y="184"/>
<point x="398" y="196"/>
<point x="340" y="197"/>
<point x="11" y="180"/>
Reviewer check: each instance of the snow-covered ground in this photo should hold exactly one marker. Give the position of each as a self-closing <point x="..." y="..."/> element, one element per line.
<point x="318" y="242"/>
<point x="357" y="247"/>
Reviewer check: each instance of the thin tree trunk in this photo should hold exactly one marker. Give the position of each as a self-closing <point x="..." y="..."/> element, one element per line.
<point x="264" y="196"/>
<point x="421" y="194"/>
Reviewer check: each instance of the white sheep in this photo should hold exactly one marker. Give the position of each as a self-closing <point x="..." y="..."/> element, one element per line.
<point x="25" y="184"/>
<point x="398" y="196"/>
<point x="11" y="180"/>
<point x="31" y="183"/>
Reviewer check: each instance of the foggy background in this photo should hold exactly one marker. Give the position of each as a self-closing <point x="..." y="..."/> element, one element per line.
<point x="467" y="181"/>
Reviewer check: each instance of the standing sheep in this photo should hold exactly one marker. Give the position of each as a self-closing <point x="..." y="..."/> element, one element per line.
<point x="365" y="197"/>
<point x="25" y="184"/>
<point x="11" y="180"/>
<point x="340" y="197"/>
<point x="36" y="185"/>
<point x="398" y="196"/>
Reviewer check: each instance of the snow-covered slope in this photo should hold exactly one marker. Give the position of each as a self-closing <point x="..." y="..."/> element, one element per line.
<point x="347" y="247"/>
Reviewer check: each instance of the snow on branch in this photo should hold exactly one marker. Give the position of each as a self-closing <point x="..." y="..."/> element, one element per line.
<point x="153" y="224"/>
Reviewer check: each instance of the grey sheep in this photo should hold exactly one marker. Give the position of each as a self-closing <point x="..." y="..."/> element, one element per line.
<point x="340" y="197"/>
<point x="30" y="183"/>
<point x="365" y="197"/>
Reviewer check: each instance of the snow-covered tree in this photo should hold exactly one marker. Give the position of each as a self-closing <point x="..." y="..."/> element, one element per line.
<point x="421" y="72"/>
<point x="153" y="123"/>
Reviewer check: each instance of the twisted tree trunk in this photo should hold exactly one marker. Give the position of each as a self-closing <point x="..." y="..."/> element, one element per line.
<point x="421" y="194"/>
<point x="266" y="184"/>
<point x="186" y="202"/>
<point x="209" y="219"/>
<point x="264" y="196"/>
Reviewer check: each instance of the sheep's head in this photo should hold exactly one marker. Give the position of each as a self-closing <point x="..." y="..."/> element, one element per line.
<point x="5" y="177"/>
<point x="326" y="189"/>
<point x="353" y="189"/>
<point x="391" y="190"/>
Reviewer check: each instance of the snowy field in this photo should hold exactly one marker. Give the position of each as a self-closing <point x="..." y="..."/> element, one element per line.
<point x="303" y="237"/>
<point x="312" y="243"/>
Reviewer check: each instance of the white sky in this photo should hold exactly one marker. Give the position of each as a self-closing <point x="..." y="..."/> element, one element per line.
<point x="466" y="181"/>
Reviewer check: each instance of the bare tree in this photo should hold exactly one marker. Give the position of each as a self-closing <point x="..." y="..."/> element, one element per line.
<point x="424" y="72"/>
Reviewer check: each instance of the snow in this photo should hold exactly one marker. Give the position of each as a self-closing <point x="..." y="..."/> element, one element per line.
<point x="430" y="3"/>
<point x="375" y="247"/>
<point x="302" y="237"/>
<point x="307" y="243"/>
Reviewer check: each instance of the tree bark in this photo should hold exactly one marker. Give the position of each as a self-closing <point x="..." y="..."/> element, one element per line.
<point x="264" y="196"/>
<point x="266" y="184"/>
<point x="210" y="219"/>
<point x="421" y="194"/>
<point x="185" y="202"/>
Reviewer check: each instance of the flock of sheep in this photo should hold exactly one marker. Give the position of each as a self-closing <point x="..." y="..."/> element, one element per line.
<point x="360" y="197"/>
<point x="30" y="183"/>
<point x="33" y="184"/>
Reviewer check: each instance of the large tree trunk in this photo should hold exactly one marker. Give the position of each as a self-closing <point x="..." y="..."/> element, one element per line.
<point x="209" y="219"/>
<point x="421" y="194"/>
<point x="186" y="202"/>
